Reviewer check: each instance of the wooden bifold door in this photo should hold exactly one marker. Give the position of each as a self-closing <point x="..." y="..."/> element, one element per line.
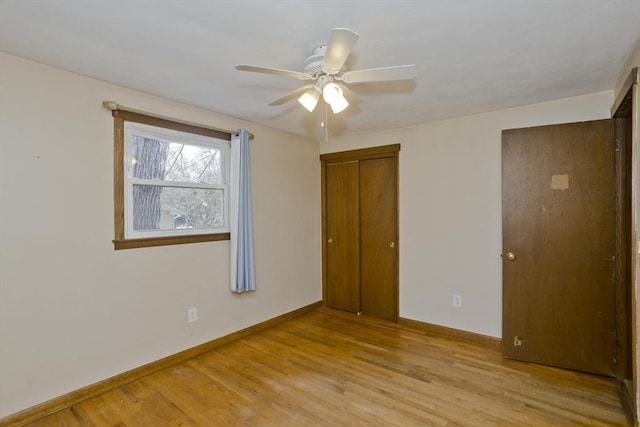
<point x="360" y="231"/>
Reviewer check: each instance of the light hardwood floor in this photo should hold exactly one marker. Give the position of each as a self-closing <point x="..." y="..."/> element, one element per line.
<point x="329" y="368"/>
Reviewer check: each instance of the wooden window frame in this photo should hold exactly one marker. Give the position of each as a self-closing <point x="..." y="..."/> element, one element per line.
<point x="119" y="241"/>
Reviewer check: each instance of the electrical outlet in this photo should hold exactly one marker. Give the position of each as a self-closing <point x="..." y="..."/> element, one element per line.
<point x="457" y="300"/>
<point x="192" y="314"/>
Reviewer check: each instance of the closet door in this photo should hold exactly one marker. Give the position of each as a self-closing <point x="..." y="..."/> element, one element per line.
<point x="360" y="230"/>
<point x="378" y="238"/>
<point x="343" y="236"/>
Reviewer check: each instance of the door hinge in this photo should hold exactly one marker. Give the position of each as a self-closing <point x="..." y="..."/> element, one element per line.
<point x="617" y="144"/>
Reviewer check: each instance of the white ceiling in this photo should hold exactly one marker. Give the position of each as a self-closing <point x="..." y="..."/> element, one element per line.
<point x="471" y="56"/>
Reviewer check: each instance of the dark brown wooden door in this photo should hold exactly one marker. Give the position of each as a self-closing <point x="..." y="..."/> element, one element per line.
<point x="378" y="236"/>
<point x="343" y="236"/>
<point x="559" y="245"/>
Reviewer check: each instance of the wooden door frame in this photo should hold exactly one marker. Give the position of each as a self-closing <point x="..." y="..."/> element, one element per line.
<point x="625" y="106"/>
<point x="385" y="151"/>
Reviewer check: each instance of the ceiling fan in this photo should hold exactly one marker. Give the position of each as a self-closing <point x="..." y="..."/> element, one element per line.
<point x="326" y="69"/>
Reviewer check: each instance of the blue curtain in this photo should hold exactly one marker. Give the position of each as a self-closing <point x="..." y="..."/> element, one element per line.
<point x="243" y="276"/>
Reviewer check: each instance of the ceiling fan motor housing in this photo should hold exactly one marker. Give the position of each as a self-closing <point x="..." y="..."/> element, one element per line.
<point x="313" y="64"/>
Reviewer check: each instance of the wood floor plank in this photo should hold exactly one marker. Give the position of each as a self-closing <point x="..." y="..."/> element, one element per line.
<point x="331" y="368"/>
<point x="65" y="418"/>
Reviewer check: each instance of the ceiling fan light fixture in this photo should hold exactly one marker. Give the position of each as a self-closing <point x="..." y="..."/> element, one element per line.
<point x="333" y="95"/>
<point x="339" y="104"/>
<point x="331" y="92"/>
<point x="310" y="99"/>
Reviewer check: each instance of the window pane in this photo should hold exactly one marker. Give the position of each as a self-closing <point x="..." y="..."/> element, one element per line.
<point x="170" y="208"/>
<point x="175" y="161"/>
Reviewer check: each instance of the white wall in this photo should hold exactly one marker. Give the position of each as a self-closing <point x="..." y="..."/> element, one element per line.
<point x="450" y="208"/>
<point x="632" y="61"/>
<point x="72" y="310"/>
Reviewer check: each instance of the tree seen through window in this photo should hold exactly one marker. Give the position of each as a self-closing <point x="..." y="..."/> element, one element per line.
<point x="157" y="206"/>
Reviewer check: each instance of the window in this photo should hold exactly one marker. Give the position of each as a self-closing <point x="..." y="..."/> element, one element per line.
<point x="175" y="183"/>
<point x="171" y="182"/>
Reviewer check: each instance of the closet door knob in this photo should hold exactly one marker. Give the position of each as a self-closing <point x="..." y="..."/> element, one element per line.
<point x="392" y="244"/>
<point x="330" y="240"/>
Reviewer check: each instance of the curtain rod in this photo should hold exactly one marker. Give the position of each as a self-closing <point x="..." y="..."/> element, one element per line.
<point x="114" y="106"/>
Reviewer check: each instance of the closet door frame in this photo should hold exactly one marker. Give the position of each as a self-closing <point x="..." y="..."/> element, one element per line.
<point x="386" y="151"/>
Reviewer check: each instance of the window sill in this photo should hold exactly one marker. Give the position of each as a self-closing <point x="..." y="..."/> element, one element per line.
<point x="164" y="241"/>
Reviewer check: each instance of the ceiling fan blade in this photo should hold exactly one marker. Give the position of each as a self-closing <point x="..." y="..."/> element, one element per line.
<point x="339" y="47"/>
<point x="400" y="72"/>
<point x="296" y="93"/>
<point x="277" y="72"/>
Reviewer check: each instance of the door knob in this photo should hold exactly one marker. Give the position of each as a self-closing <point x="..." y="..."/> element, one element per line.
<point x="330" y="240"/>
<point x="392" y="244"/>
<point x="511" y="256"/>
